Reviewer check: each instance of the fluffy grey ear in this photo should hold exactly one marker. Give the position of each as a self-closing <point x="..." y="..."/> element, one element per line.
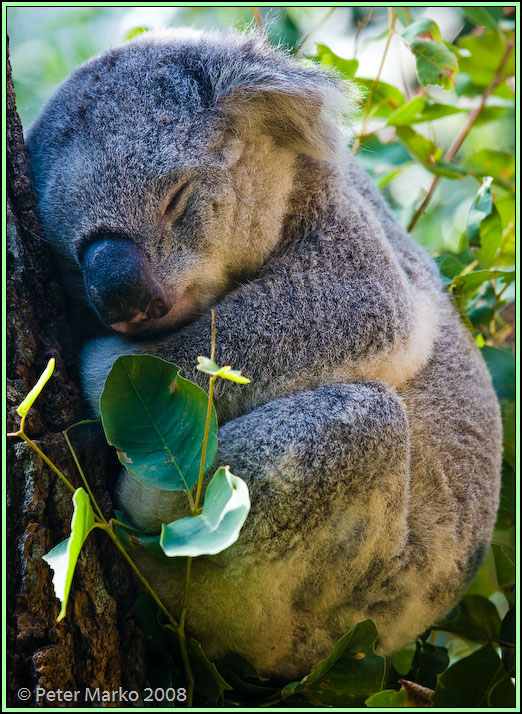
<point x="300" y="106"/>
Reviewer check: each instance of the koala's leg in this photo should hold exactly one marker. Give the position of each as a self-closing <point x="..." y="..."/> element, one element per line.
<point x="328" y="475"/>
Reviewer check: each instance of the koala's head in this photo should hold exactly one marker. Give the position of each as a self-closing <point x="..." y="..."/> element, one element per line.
<point x="163" y="169"/>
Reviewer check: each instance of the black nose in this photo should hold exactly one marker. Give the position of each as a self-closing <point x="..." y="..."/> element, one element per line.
<point x="120" y="284"/>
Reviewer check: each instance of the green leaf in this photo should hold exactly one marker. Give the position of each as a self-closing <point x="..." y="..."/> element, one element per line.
<point x="467" y="284"/>
<point x="28" y="402"/>
<point x="428" y="662"/>
<point x="475" y="617"/>
<point x="483" y="16"/>
<point x="486" y="53"/>
<point x="244" y="678"/>
<point x="420" y="110"/>
<point x="487" y="162"/>
<point x="209" y="682"/>
<point x="386" y="98"/>
<point x="418" y="146"/>
<point x="388" y="698"/>
<point x="426" y="28"/>
<point x="347" y="68"/>
<point x="63" y="557"/>
<point x="468" y="682"/>
<point x="435" y="64"/>
<point x="484" y="227"/>
<point x="156" y="420"/>
<point x="351" y="673"/>
<point x="135" y="32"/>
<point x="209" y="367"/>
<point x="506" y="574"/>
<point x="501" y="364"/>
<point x="226" y="507"/>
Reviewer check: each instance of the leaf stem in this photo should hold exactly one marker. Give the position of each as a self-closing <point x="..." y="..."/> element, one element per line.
<point x="41" y="454"/>
<point x="76" y="461"/>
<point x="459" y="140"/>
<point x="368" y="104"/>
<point x="141" y="578"/>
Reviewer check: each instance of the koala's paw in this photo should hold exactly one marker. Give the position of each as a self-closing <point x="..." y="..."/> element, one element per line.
<point x="96" y="360"/>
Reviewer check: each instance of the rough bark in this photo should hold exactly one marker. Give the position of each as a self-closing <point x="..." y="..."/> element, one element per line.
<point x="98" y="644"/>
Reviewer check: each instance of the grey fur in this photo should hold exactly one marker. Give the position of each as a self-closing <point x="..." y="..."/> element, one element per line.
<point x="370" y="435"/>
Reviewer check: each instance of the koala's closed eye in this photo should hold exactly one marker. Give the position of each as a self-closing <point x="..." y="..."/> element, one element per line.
<point x="175" y="202"/>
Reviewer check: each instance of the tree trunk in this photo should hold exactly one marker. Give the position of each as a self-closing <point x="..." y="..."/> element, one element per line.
<point x="98" y="643"/>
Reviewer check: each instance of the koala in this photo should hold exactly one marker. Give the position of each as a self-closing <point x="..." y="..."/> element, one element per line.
<point x="187" y="171"/>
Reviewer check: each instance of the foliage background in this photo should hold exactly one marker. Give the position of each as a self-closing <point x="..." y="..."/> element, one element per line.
<point x="405" y="133"/>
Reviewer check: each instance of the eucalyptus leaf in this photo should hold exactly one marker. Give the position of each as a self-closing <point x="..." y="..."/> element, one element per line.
<point x="425" y="28"/>
<point x="217" y="527"/>
<point x="475" y="617"/>
<point x="435" y="64"/>
<point x="418" y="146"/>
<point x="487" y="51"/>
<point x="346" y="678"/>
<point x="210" y="367"/>
<point x="388" y="698"/>
<point x="156" y="420"/>
<point x="468" y="682"/>
<point x="506" y="573"/>
<point x="385" y="99"/>
<point x="63" y="557"/>
<point x="484" y="226"/>
<point x="347" y="68"/>
<point x="29" y="400"/>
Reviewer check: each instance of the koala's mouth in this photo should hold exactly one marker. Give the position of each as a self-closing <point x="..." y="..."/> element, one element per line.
<point x="183" y="310"/>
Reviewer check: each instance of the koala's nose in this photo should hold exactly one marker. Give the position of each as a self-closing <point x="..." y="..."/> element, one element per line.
<point x="120" y="284"/>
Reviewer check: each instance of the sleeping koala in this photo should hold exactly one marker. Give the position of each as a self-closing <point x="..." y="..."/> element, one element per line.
<point x="185" y="171"/>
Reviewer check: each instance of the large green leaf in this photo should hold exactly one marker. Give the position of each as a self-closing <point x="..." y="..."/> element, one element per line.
<point x="63" y="557"/>
<point x="156" y="420"/>
<point x="469" y="682"/>
<point x="227" y="504"/>
<point x="351" y="673"/>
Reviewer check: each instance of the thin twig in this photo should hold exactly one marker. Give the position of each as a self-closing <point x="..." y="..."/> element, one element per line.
<point x="472" y="118"/>
<point x="368" y="104"/>
<point x="256" y="12"/>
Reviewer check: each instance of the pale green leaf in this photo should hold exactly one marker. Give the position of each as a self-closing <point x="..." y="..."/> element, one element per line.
<point x="217" y="527"/>
<point x="28" y="402"/>
<point x="63" y="557"/>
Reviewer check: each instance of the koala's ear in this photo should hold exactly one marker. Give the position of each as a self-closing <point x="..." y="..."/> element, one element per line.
<point x="301" y="107"/>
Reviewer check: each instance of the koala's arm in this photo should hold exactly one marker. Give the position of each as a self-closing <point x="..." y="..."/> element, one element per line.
<point x="333" y="304"/>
